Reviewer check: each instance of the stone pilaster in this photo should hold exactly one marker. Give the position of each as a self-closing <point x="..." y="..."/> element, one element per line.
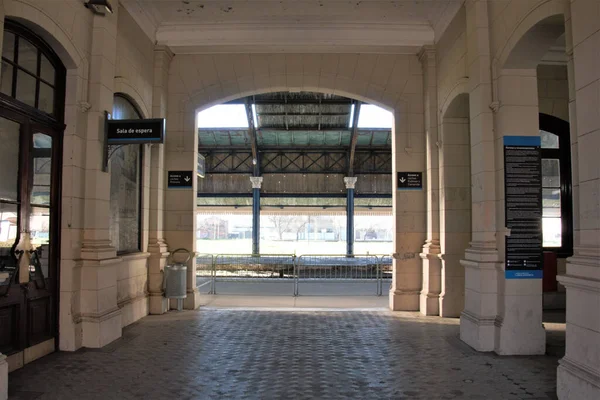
<point x="481" y="259"/>
<point x="432" y="267"/>
<point x="519" y="329"/>
<point x="100" y="314"/>
<point x="409" y="208"/>
<point x="579" y="370"/>
<point x="181" y="154"/>
<point x="157" y="246"/>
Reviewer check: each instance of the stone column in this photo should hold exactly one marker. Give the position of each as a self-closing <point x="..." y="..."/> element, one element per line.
<point x="256" y="182"/>
<point x="350" y="184"/>
<point x="455" y="207"/>
<point x="100" y="314"/>
<point x="409" y="209"/>
<point x="181" y="154"/>
<point x="481" y="259"/>
<point x="429" y="299"/>
<point x="3" y="377"/>
<point x="157" y="246"/>
<point x="579" y="369"/>
<point x="519" y="328"/>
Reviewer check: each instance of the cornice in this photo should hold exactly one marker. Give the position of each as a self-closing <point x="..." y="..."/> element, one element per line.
<point x="259" y="37"/>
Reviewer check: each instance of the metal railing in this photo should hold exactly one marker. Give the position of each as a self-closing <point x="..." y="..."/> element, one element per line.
<point x="205" y="269"/>
<point x="337" y="268"/>
<point x="252" y="268"/>
<point x="385" y="271"/>
<point x="289" y="267"/>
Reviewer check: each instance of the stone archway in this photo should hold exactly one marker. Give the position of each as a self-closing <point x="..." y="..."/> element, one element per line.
<point x="391" y="81"/>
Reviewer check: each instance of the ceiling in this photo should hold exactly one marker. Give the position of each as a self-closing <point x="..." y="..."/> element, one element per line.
<point x="197" y="26"/>
<point x="297" y="120"/>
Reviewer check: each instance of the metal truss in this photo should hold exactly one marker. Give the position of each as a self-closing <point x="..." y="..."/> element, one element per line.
<point x="297" y="161"/>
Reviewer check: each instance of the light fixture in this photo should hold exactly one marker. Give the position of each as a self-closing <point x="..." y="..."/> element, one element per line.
<point x="99" y="7"/>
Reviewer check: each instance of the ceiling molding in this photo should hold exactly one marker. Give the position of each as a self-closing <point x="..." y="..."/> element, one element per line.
<point x="143" y="17"/>
<point x="294" y="49"/>
<point x="281" y="37"/>
<point x="446" y="17"/>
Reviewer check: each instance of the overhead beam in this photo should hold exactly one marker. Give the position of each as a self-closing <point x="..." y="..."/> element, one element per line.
<point x="253" y="141"/>
<point x="258" y="102"/>
<point x="354" y="138"/>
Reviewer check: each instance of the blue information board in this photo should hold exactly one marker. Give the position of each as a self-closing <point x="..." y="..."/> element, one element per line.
<point x="523" y="207"/>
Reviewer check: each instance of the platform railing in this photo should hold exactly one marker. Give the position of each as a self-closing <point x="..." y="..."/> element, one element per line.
<point x="337" y="268"/>
<point x="289" y="267"/>
<point x="385" y="271"/>
<point x="205" y="268"/>
<point x="252" y="268"/>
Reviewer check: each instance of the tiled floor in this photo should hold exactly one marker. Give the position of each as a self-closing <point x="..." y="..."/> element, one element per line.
<point x="286" y="354"/>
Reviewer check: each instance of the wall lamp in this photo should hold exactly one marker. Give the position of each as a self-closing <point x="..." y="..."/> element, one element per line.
<point x="99" y="7"/>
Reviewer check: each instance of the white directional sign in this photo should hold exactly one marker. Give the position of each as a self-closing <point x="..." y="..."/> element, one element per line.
<point x="180" y="180"/>
<point x="410" y="180"/>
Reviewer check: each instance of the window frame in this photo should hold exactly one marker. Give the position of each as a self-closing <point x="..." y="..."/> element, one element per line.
<point x="141" y="177"/>
<point x="561" y="129"/>
<point x="58" y="86"/>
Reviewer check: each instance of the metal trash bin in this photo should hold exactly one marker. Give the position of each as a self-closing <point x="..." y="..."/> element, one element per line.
<point x="175" y="276"/>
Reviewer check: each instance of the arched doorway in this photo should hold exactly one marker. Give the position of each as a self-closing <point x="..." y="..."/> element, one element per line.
<point x="32" y="94"/>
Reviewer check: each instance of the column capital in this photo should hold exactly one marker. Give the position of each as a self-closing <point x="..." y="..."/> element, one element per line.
<point x="256" y="181"/>
<point x="427" y="54"/>
<point x="350" y="182"/>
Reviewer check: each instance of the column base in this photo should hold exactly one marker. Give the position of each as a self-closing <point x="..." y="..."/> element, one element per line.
<point x="452" y="304"/>
<point x="429" y="304"/>
<point x="432" y="279"/>
<point x="576" y="382"/>
<point x="517" y="339"/>
<point x="98" y="331"/>
<point x="158" y="304"/>
<point x="3" y="377"/>
<point x="477" y="332"/>
<point x="192" y="301"/>
<point x="404" y="301"/>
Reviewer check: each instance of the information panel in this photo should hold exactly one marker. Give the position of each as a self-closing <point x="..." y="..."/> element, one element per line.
<point x="410" y="180"/>
<point x="523" y="207"/>
<point x="135" y="131"/>
<point x="180" y="180"/>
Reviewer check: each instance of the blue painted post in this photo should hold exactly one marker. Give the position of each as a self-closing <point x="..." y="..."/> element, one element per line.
<point x="256" y="184"/>
<point x="350" y="183"/>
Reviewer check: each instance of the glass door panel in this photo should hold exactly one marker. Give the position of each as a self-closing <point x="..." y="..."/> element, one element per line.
<point x="9" y="229"/>
<point x="39" y="226"/>
<point x="9" y="160"/>
<point x="42" y="169"/>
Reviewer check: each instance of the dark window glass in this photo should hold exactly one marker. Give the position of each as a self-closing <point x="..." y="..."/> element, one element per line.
<point x="47" y="70"/>
<point x="26" y="88"/>
<point x="9" y="160"/>
<point x="28" y="56"/>
<point x="46" y="98"/>
<point x="6" y="86"/>
<point x="8" y="46"/>
<point x="125" y="186"/>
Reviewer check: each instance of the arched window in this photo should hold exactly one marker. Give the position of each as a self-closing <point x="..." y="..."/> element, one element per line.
<point x="557" y="215"/>
<point x="31" y="72"/>
<point x="125" y="167"/>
